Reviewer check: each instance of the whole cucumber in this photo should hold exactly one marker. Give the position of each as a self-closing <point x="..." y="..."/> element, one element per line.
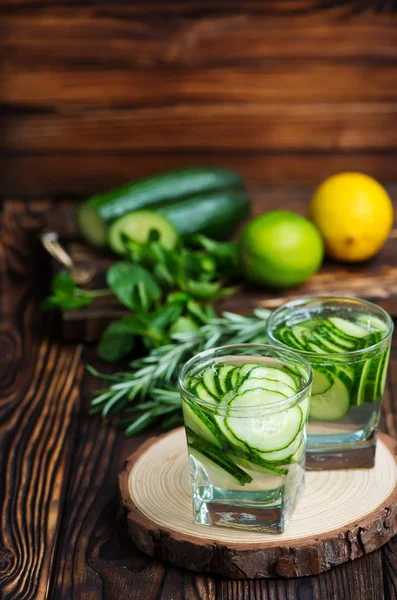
<point x="96" y="213"/>
<point x="216" y="214"/>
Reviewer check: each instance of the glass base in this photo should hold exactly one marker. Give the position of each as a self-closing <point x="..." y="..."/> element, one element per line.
<point x="268" y="511"/>
<point x="341" y="454"/>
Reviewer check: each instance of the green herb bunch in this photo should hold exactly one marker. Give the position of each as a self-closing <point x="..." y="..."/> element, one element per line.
<point x="170" y="295"/>
<point x="166" y="291"/>
<point x="148" y="392"/>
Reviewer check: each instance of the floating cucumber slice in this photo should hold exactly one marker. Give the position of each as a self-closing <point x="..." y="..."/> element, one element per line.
<point x="284" y="455"/>
<point x="322" y="381"/>
<point x="302" y="333"/>
<point x="348" y="327"/>
<point x="300" y="452"/>
<point x="277" y="374"/>
<point x="371" y="378"/>
<point x="326" y="343"/>
<point x="316" y="348"/>
<point x="264" y="432"/>
<point x="201" y="424"/>
<point x="381" y="379"/>
<point x="364" y="370"/>
<point x="246" y="369"/>
<point x="220" y="420"/>
<point x="235" y="378"/>
<point x="345" y="372"/>
<point x="209" y="384"/>
<point x="202" y="393"/>
<point x="254" y="462"/>
<point x="192" y="382"/>
<point x="372" y="322"/>
<point x="292" y="341"/>
<point x="210" y="457"/>
<point x="366" y="374"/>
<point x="222" y="377"/>
<point x="252" y="383"/>
<point x="331" y="405"/>
<point x="330" y="334"/>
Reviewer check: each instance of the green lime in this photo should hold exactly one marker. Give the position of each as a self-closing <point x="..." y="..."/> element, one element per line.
<point x="280" y="249"/>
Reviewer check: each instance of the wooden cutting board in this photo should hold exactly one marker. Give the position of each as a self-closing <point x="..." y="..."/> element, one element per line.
<point x="341" y="516"/>
<point x="374" y="280"/>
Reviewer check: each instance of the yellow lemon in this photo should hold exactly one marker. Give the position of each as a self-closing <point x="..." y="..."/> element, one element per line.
<point x="354" y="215"/>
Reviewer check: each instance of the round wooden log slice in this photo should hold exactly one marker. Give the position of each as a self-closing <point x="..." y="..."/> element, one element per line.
<point x="342" y="515"/>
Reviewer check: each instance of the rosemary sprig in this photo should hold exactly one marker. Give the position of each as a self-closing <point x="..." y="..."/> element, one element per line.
<point x="148" y="392"/>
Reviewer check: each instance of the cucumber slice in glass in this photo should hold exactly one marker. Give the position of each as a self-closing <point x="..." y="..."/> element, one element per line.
<point x="254" y="462"/>
<point x="201" y="424"/>
<point x="322" y="381"/>
<point x="279" y="375"/>
<point x="302" y="334"/>
<point x="246" y="369"/>
<point x="209" y="384"/>
<point x="215" y="461"/>
<point x="251" y="383"/>
<point x="235" y="378"/>
<point x="331" y="405"/>
<point x="381" y="380"/>
<point x="222" y="377"/>
<point x="349" y="328"/>
<point x="345" y="343"/>
<point x="202" y="393"/>
<point x="326" y="344"/>
<point x="267" y="432"/>
<point x="372" y="322"/>
<point x="284" y="455"/>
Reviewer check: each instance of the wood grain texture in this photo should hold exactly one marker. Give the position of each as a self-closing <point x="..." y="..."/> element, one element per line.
<point x="96" y="559"/>
<point x="195" y="41"/>
<point x="287" y="91"/>
<point x="287" y="8"/>
<point x="323" y="532"/>
<point x="229" y="126"/>
<point x="49" y="174"/>
<point x="281" y="81"/>
<point x="36" y="412"/>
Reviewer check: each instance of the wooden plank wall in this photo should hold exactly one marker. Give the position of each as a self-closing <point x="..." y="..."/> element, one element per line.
<point x="96" y="92"/>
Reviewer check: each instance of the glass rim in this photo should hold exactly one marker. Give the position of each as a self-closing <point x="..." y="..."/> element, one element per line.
<point x="284" y="404"/>
<point x="348" y="353"/>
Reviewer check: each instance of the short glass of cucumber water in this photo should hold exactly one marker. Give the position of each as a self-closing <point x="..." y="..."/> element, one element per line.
<point x="347" y="341"/>
<point x="245" y="411"/>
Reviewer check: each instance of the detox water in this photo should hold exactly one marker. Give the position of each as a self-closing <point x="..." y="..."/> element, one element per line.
<point x="245" y="418"/>
<point x="347" y="343"/>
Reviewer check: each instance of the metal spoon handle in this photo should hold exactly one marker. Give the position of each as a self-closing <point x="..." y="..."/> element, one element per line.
<point x="51" y="243"/>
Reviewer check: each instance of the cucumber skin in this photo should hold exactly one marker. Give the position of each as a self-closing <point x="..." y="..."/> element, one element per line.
<point x="216" y="214"/>
<point x="165" y="189"/>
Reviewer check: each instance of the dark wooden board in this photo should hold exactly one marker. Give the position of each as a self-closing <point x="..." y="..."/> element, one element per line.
<point x="89" y="554"/>
<point x="375" y="280"/>
<point x="285" y="91"/>
<point x="159" y="517"/>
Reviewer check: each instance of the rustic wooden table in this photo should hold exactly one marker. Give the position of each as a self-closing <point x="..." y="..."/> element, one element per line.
<point x="61" y="535"/>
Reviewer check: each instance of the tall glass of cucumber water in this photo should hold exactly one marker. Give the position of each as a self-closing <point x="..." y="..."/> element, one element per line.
<point x="245" y="411"/>
<point x="347" y="341"/>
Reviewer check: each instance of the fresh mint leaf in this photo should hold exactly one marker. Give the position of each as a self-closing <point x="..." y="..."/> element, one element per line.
<point x="133" y="284"/>
<point x="197" y="311"/>
<point x="66" y="295"/>
<point x="184" y="325"/>
<point x="165" y="315"/>
<point x="63" y="283"/>
<point x="203" y="290"/>
<point x="117" y="341"/>
<point x="225" y="254"/>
